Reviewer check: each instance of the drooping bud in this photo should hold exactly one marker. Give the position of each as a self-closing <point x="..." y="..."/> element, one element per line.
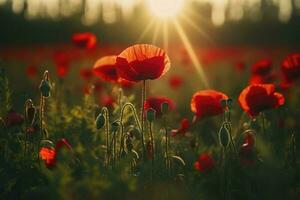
<point x="97" y="111"/>
<point x="115" y="126"/>
<point x="229" y="103"/>
<point x="45" y="88"/>
<point x="223" y="103"/>
<point x="165" y="107"/>
<point x="151" y="114"/>
<point x="100" y="121"/>
<point x="134" y="132"/>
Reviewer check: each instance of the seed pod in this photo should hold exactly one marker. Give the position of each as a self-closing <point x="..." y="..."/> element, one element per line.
<point x="45" y="88"/>
<point x="115" y="126"/>
<point x="164" y="107"/>
<point x="224" y="136"/>
<point x="100" y="121"/>
<point x="150" y="114"/>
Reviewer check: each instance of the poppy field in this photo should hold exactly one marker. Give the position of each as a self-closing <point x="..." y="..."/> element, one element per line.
<point x="82" y="119"/>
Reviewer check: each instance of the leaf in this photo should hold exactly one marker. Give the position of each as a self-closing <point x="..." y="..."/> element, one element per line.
<point x="5" y="94"/>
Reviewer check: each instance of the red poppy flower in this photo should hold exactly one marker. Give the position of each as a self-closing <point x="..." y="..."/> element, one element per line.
<point x="290" y="67"/>
<point x="142" y="62"/>
<point x="105" y="68"/>
<point x="204" y="163"/>
<point x="247" y="155"/>
<point x="259" y="97"/>
<point x="184" y="127"/>
<point x="31" y="70"/>
<point x="262" y="67"/>
<point x="175" y="81"/>
<point x="84" y="40"/>
<point x="156" y="102"/>
<point x="206" y="103"/>
<point x="62" y="63"/>
<point x="86" y="74"/>
<point x="49" y="156"/>
<point x="13" y="119"/>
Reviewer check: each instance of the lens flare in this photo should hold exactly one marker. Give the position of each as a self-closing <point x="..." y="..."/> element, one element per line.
<point x="165" y="8"/>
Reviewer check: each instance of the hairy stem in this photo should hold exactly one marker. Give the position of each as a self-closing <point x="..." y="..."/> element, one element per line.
<point x="142" y="116"/>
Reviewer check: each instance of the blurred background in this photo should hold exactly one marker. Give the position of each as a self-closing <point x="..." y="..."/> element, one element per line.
<point x="207" y="22"/>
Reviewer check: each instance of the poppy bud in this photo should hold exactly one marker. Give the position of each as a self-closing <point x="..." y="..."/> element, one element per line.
<point x="223" y="103"/>
<point x="224" y="136"/>
<point x="229" y="103"/>
<point x="45" y="88"/>
<point x="100" y="121"/>
<point x="165" y="107"/>
<point x="115" y="126"/>
<point x="134" y="132"/>
<point x="97" y="111"/>
<point x="150" y="114"/>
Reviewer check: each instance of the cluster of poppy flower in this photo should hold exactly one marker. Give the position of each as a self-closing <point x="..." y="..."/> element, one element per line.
<point x="263" y="72"/>
<point x="142" y="62"/>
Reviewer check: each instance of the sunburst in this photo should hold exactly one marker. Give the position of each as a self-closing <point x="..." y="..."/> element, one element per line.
<point x="169" y="13"/>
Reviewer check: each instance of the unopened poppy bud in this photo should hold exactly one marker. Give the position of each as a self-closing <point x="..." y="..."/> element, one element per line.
<point x="45" y="88"/>
<point x="165" y="107"/>
<point x="100" y="121"/>
<point x="150" y="114"/>
<point x="97" y="111"/>
<point x="115" y="126"/>
<point x="224" y="136"/>
<point x="134" y="132"/>
<point x="229" y="103"/>
<point x="223" y="103"/>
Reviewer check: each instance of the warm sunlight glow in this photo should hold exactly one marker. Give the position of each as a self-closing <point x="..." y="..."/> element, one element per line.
<point x="165" y="8"/>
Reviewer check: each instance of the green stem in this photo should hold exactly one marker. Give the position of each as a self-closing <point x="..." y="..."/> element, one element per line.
<point x="228" y="125"/>
<point x="106" y="115"/>
<point x="152" y="141"/>
<point x="114" y="148"/>
<point x="130" y="105"/>
<point x="167" y="144"/>
<point x="263" y="123"/>
<point x="142" y="116"/>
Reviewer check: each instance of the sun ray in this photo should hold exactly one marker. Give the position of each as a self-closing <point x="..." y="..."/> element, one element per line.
<point x="155" y="35"/>
<point x="146" y="30"/>
<point x="195" y="26"/>
<point x="191" y="52"/>
<point x="166" y="36"/>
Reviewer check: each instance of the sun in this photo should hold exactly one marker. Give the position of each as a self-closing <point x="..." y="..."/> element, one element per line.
<point x="165" y="9"/>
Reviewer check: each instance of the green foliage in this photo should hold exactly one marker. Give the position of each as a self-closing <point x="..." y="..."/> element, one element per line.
<point x="5" y="94"/>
